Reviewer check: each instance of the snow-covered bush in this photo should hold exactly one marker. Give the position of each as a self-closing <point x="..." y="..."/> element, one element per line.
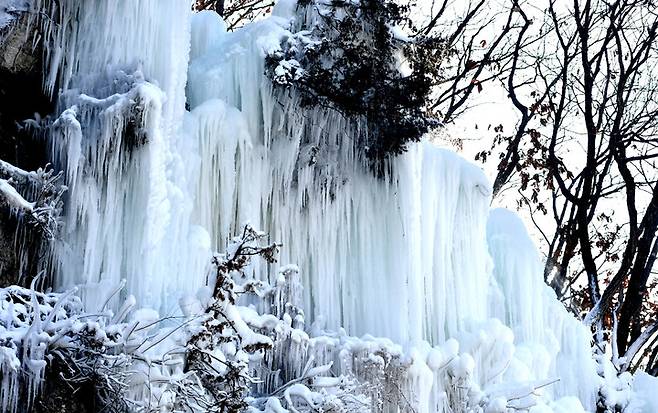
<point x="352" y="57"/>
<point x="30" y="211"/>
<point x="38" y="331"/>
<point x="44" y="189"/>
<point x="218" y="353"/>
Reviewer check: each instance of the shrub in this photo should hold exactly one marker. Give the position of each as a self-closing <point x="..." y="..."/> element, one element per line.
<point x="352" y="58"/>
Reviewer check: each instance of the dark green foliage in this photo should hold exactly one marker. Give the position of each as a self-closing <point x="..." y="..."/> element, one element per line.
<point x="349" y="61"/>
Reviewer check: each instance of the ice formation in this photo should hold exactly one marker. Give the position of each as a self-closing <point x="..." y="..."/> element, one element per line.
<point x="39" y="330"/>
<point x="10" y="9"/>
<point x="414" y="257"/>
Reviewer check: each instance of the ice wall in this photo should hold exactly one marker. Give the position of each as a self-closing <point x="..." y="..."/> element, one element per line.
<point x="550" y="341"/>
<point x="410" y="236"/>
<point x="122" y="69"/>
<point x="155" y="188"/>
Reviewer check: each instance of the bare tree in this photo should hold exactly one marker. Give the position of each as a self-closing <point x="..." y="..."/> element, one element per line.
<point x="469" y="56"/>
<point x="583" y="154"/>
<point x="236" y="12"/>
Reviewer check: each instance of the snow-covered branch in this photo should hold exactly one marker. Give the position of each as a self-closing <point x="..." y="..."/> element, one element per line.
<point x="42" y="186"/>
<point x="638" y="344"/>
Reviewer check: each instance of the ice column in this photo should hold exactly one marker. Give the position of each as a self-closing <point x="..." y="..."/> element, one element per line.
<point x="132" y="168"/>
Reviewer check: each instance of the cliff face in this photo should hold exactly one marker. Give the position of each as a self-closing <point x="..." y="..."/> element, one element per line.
<point x="21" y="98"/>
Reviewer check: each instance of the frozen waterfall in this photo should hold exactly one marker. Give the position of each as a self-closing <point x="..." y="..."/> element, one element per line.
<point x="415" y="256"/>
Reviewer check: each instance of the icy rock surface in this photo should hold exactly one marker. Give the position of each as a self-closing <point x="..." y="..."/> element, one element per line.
<point x="414" y="256"/>
<point x="10" y="9"/>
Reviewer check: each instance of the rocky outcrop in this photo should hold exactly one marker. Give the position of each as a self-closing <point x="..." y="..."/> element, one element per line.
<point x="21" y="98"/>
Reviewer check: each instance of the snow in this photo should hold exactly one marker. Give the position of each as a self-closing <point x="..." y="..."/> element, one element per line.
<point x="36" y="328"/>
<point x="10" y="9"/>
<point x="13" y="198"/>
<point x="408" y="276"/>
<point x="646" y="387"/>
<point x="207" y="28"/>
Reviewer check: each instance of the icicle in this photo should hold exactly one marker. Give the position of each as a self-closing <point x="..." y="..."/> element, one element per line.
<point x="409" y="257"/>
<point x="553" y="341"/>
